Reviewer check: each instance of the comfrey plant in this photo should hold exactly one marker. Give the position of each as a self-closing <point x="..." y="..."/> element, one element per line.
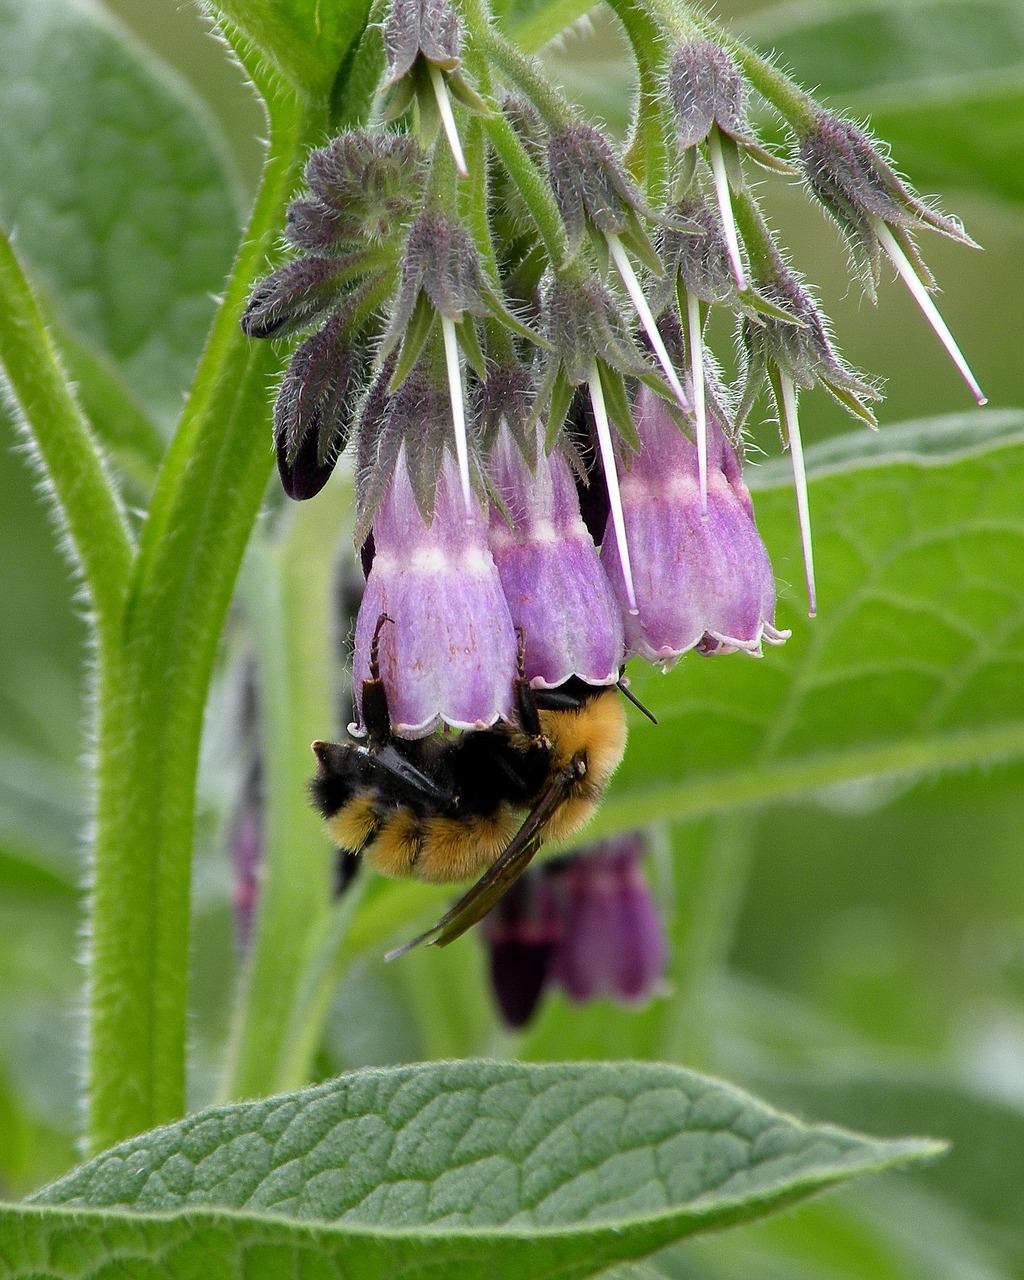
<point x="504" y="314"/>
<point x="489" y="328"/>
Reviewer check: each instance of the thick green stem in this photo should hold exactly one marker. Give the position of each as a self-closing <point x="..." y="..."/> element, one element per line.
<point x="526" y="73"/>
<point x="532" y="186"/>
<point x="150" y="704"/>
<point x="84" y="492"/>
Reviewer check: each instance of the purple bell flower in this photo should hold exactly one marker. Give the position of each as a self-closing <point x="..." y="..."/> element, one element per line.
<point x="586" y="923"/>
<point x="556" y="589"/>
<point x="702" y="581"/>
<point x="449" y="653"/>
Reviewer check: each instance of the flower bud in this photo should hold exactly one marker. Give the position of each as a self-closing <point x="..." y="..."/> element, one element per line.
<point x="800" y="348"/>
<point x="590" y="185"/>
<point x="370" y="182"/>
<point x="522" y="933"/>
<point x="414" y="27"/>
<point x="312" y="411"/>
<point x="556" y="589"/>
<point x="448" y="653"/>
<point x="852" y="178"/>
<point x="701" y="580"/>
<point x="612" y="943"/>
<point x="706" y="88"/>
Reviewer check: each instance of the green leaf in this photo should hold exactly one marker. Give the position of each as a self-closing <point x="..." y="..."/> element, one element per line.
<point x="467" y="1169"/>
<point x="113" y="182"/>
<point x="942" y="79"/>
<point x="532" y="23"/>
<point x="913" y="663"/>
<point x="41" y="817"/>
<point x="305" y="41"/>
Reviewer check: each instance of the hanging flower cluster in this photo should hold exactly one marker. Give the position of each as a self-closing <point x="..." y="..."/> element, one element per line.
<point x="502" y="313"/>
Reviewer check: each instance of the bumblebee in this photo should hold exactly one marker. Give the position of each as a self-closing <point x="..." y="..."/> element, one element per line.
<point x="448" y="807"/>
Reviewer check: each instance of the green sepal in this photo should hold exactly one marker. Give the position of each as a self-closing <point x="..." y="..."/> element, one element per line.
<point x="469" y="341"/>
<point x="634" y="237"/>
<point x="421" y="324"/>
<point x="757" y="304"/>
<point x="613" y="384"/>
<point x="853" y="405"/>
<point x="558" y="401"/>
<point x="497" y="308"/>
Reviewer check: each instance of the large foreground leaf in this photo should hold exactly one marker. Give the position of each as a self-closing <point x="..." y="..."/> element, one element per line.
<point x="914" y="662"/>
<point x="469" y="1169"/>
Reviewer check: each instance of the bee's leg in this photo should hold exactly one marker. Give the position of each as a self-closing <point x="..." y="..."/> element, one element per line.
<point x="526" y="701"/>
<point x="376" y="716"/>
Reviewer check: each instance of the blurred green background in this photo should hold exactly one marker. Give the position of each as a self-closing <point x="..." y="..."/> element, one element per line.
<point x="867" y="950"/>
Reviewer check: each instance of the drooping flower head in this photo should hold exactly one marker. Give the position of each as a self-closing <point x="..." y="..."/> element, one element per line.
<point x="450" y="304"/>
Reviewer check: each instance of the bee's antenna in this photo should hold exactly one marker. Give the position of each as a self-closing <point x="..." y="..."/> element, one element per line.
<point x="623" y="688"/>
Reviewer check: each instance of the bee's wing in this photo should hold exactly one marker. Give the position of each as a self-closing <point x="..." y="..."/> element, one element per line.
<point x="391" y="762"/>
<point x="476" y="902"/>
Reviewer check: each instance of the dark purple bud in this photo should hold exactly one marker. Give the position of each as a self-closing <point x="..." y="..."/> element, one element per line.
<point x="556" y="589"/>
<point x="449" y="655"/>
<point x="296" y="294"/>
<point x="522" y="932"/>
<point x="698" y="256"/>
<point x="414" y="27"/>
<point x="312" y="413"/>
<point x="702" y="580"/>
<point x="367" y="184"/>
<point x="706" y="88"/>
<point x="613" y="943"/>
<point x="314" y="226"/>
<point x="590" y="184"/>
<point x="442" y="263"/>
<point x="802" y="351"/>
<point x="584" y="326"/>
<point x="855" y="182"/>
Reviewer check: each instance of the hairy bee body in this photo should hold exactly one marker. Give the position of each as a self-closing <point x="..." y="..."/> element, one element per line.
<point x="445" y="808"/>
<point x="477" y="803"/>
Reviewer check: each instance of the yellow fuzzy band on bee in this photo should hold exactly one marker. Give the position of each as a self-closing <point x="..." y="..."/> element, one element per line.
<point x="441" y="850"/>
<point x="597" y="729"/>
<point x="354" y="823"/>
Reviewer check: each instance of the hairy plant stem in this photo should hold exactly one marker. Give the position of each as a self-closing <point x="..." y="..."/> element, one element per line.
<point x="151" y="695"/>
<point x="86" y="500"/>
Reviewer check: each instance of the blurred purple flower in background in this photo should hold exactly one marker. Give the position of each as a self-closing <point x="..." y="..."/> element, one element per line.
<point x="586" y="924"/>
